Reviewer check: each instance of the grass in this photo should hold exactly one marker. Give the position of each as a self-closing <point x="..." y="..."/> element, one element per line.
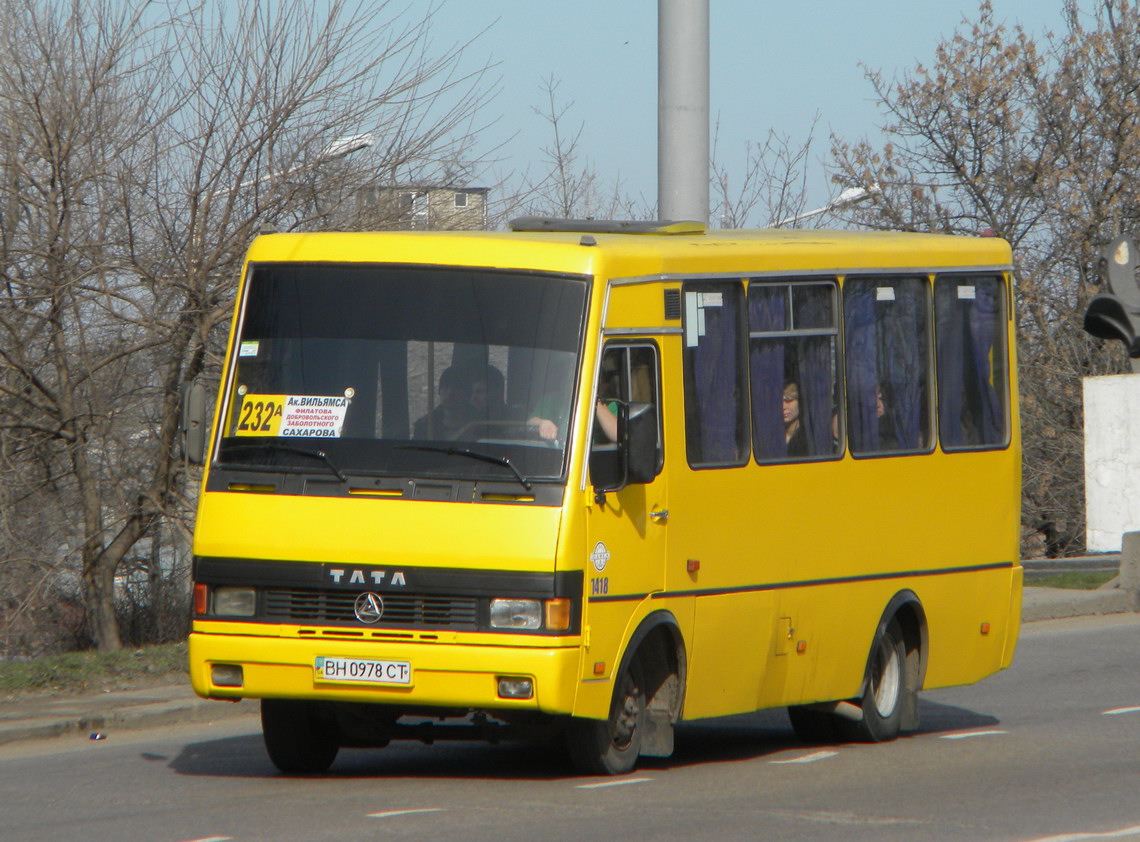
<point x="1085" y="580"/>
<point x="76" y="672"/>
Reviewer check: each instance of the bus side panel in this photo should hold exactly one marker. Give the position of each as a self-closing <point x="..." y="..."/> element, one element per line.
<point x="836" y="541"/>
<point x="1013" y="629"/>
<point x="970" y="625"/>
<point x="727" y="678"/>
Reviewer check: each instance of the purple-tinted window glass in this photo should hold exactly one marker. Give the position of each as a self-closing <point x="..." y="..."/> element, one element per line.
<point x="792" y="351"/>
<point x="888" y="370"/>
<point x="973" y="379"/>
<point x="716" y="392"/>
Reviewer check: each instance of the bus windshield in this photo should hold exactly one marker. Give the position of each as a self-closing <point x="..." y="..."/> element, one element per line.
<point x="346" y="368"/>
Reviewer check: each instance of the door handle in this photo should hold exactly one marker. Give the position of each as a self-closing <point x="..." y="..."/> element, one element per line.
<point x="659" y="515"/>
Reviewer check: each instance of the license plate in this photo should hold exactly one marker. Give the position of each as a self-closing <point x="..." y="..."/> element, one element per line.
<point x="364" y="671"/>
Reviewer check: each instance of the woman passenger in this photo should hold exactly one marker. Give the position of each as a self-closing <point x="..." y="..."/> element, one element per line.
<point x="795" y="438"/>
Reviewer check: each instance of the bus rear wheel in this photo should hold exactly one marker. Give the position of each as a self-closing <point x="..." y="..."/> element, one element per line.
<point x="298" y="739"/>
<point x="612" y="746"/>
<point x="886" y="690"/>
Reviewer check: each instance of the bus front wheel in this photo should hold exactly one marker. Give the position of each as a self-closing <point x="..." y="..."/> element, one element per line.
<point x="611" y="746"/>
<point x="887" y="688"/>
<point x="298" y="739"/>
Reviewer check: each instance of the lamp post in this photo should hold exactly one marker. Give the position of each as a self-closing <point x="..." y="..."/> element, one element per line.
<point x="847" y="198"/>
<point x="339" y="148"/>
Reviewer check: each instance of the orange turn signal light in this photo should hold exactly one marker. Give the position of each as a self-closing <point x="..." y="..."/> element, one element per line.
<point x="557" y="614"/>
<point x="201" y="599"/>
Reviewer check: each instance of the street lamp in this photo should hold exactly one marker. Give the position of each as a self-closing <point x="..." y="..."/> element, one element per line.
<point x="850" y="196"/>
<point x="339" y="148"/>
<point x="344" y="146"/>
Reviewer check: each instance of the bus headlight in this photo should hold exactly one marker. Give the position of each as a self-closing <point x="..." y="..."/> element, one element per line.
<point x="235" y="602"/>
<point x="516" y="614"/>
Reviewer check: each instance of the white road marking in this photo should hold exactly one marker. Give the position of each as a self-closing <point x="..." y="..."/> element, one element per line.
<point x="390" y="813"/>
<point x="969" y="734"/>
<point x="614" y="783"/>
<point x="212" y="839"/>
<point x="1077" y="837"/>
<point x="807" y="758"/>
<point x="1116" y="711"/>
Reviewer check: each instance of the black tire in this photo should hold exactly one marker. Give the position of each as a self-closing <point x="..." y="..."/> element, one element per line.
<point x="815" y="726"/>
<point x="298" y="739"/>
<point x="612" y="746"/>
<point x="888" y="685"/>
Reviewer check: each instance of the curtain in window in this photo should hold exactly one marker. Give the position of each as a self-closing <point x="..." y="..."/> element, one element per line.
<point x="813" y="310"/>
<point x="767" y="311"/>
<point x="984" y="319"/>
<point x="717" y="379"/>
<point x="862" y="382"/>
<point x="951" y="364"/>
<point x="970" y="365"/>
<point x="902" y="327"/>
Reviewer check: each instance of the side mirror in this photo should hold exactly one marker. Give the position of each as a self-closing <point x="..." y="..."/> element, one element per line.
<point x="639" y="441"/>
<point x="192" y="422"/>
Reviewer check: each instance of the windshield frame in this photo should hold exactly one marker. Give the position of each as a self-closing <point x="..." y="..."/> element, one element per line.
<point x="442" y="465"/>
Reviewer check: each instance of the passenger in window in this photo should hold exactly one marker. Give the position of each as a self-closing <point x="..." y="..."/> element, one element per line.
<point x="887" y="438"/>
<point x="605" y="411"/>
<point x="454" y="410"/>
<point x="606" y="404"/>
<point x="795" y="438"/>
<point x="487" y="390"/>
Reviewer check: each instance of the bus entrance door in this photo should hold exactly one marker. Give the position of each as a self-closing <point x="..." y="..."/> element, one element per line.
<point x="626" y="528"/>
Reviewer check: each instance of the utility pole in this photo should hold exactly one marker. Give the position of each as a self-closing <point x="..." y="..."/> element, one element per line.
<point x="683" y="110"/>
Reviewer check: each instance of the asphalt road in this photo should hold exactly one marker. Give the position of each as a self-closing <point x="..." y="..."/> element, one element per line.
<point x="1049" y="749"/>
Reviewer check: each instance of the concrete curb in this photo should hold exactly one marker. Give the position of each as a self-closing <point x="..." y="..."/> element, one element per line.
<point x="115" y="711"/>
<point x="1059" y="603"/>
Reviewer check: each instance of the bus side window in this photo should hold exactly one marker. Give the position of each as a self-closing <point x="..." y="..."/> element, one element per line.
<point x="973" y="379"/>
<point x="793" y="336"/>
<point x="629" y="375"/>
<point x="715" y="362"/>
<point x="888" y="370"/>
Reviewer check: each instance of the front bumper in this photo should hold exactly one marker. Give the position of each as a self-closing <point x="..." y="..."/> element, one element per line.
<point x="445" y="675"/>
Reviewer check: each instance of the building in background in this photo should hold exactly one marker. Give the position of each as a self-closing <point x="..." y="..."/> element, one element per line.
<point x="426" y="207"/>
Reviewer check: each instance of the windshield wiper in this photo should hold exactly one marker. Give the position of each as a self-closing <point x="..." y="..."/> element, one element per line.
<point x="274" y="447"/>
<point x="471" y="454"/>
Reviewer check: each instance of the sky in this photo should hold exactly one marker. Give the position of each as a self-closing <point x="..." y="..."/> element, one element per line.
<point x="773" y="65"/>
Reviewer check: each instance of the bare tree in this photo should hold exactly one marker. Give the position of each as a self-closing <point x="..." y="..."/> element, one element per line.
<point x="1037" y="141"/>
<point x="568" y="186"/>
<point x="143" y="146"/>
<point x="770" y="186"/>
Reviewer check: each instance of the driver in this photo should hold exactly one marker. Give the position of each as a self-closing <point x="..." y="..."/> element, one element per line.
<point x="487" y="390"/>
<point x="454" y="409"/>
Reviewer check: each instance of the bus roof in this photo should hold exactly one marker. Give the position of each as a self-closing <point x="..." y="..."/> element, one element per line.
<point x="646" y="252"/>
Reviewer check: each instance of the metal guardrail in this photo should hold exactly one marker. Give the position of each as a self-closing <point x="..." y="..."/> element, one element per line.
<point x="1037" y="568"/>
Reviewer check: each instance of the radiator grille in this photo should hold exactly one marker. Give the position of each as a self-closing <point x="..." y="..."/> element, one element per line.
<point x="400" y="610"/>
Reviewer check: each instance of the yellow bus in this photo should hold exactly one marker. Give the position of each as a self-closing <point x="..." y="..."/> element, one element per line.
<point x="606" y="477"/>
